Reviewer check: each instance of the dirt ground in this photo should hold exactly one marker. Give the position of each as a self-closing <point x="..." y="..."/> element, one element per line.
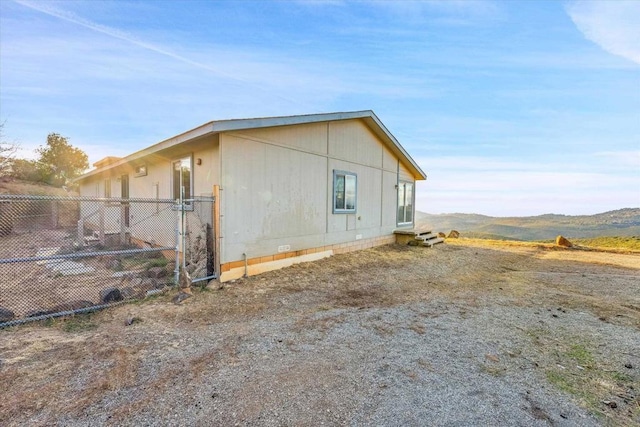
<point x="28" y="287"/>
<point x="466" y="333"/>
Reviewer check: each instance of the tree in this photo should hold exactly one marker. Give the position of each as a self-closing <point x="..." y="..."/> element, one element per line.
<point x="7" y="154"/>
<point x="59" y="161"/>
<point x="26" y="170"/>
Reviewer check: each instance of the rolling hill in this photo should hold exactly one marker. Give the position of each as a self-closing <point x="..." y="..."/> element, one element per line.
<point x="621" y="222"/>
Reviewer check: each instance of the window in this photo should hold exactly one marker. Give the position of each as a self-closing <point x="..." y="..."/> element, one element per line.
<point x="140" y="170"/>
<point x="344" y="192"/>
<point x="107" y="188"/>
<point x="182" y="179"/>
<point x="405" y="203"/>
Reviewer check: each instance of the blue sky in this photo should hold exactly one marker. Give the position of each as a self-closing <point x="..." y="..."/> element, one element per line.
<point x="512" y="108"/>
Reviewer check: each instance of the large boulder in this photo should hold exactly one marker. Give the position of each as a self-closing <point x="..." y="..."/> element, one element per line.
<point x="562" y="241"/>
<point x="453" y="234"/>
<point x="110" y="295"/>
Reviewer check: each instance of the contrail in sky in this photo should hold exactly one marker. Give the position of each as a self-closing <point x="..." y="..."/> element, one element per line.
<point x="113" y="32"/>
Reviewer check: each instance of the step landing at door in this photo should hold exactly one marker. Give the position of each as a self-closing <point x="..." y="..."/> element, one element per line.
<point x="417" y="237"/>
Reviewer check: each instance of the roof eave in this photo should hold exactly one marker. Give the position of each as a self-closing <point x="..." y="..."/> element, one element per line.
<point x="415" y="169"/>
<point x="163" y="145"/>
<point x="240" y="124"/>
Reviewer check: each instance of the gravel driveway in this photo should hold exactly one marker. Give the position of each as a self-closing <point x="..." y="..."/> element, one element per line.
<point x="461" y="334"/>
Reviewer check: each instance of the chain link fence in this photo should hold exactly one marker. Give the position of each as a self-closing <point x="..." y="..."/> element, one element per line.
<point x="64" y="255"/>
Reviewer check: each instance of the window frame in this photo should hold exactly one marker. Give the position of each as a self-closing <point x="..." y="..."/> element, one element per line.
<point x="403" y="185"/>
<point x="344" y="210"/>
<point x="140" y="170"/>
<point x="189" y="157"/>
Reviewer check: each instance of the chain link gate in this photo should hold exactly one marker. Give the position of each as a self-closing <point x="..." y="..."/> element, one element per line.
<point x="66" y="255"/>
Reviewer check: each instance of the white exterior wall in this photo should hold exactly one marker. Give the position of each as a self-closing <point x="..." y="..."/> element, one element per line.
<point x="148" y="221"/>
<point x="277" y="188"/>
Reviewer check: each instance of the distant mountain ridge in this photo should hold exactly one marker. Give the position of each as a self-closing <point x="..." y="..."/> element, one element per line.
<point x="621" y="222"/>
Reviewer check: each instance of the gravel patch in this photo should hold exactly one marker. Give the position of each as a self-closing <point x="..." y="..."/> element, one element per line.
<point x="490" y="338"/>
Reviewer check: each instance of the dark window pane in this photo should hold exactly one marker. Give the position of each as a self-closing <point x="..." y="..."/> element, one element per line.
<point x="339" y="197"/>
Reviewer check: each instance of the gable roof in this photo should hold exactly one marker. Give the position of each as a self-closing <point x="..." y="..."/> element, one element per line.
<point x="213" y="127"/>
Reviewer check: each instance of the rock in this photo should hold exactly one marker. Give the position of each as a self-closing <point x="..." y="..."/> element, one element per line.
<point x="149" y="283"/>
<point x="185" y="279"/>
<point x="128" y="292"/>
<point x="71" y="305"/>
<point x="36" y="313"/>
<point x="131" y="320"/>
<point x="144" y="286"/>
<point x="110" y="295"/>
<point x="441" y="234"/>
<point x="162" y="285"/>
<point x="453" y="234"/>
<point x="126" y="278"/>
<point x="562" y="241"/>
<point x="157" y="272"/>
<point x="628" y="365"/>
<point x="6" y="314"/>
<point x="178" y="299"/>
<point x="114" y="264"/>
<point x="492" y="357"/>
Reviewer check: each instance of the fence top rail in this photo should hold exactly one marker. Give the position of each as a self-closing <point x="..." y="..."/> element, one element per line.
<point x="10" y="197"/>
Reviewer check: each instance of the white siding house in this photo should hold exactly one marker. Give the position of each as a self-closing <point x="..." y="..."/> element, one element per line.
<point x="288" y="189"/>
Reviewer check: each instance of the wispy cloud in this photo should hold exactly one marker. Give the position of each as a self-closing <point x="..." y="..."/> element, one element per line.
<point x="612" y="25"/>
<point x="127" y="37"/>
<point x="113" y="32"/>
<point x="484" y="94"/>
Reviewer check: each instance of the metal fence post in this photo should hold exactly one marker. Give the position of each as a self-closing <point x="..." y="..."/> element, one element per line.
<point x="101" y="224"/>
<point x="80" y="239"/>
<point x="176" y="271"/>
<point x="43" y="237"/>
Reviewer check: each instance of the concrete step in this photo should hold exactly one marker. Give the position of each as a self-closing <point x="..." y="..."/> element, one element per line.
<point x="426" y="236"/>
<point x="417" y="237"/>
<point x="412" y="231"/>
<point x="429" y="243"/>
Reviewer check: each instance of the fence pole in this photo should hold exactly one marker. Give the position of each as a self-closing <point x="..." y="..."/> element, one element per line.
<point x="216" y="230"/>
<point x="184" y="234"/>
<point x="123" y="221"/>
<point x="176" y="271"/>
<point x="101" y="224"/>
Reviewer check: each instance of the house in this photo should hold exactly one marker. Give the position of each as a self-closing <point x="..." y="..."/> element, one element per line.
<point x="288" y="189"/>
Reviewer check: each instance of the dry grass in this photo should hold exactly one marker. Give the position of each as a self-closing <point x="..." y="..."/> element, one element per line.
<point x="11" y="186"/>
<point x="57" y="370"/>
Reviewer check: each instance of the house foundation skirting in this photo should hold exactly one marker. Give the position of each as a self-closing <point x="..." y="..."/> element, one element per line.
<point x="236" y="269"/>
